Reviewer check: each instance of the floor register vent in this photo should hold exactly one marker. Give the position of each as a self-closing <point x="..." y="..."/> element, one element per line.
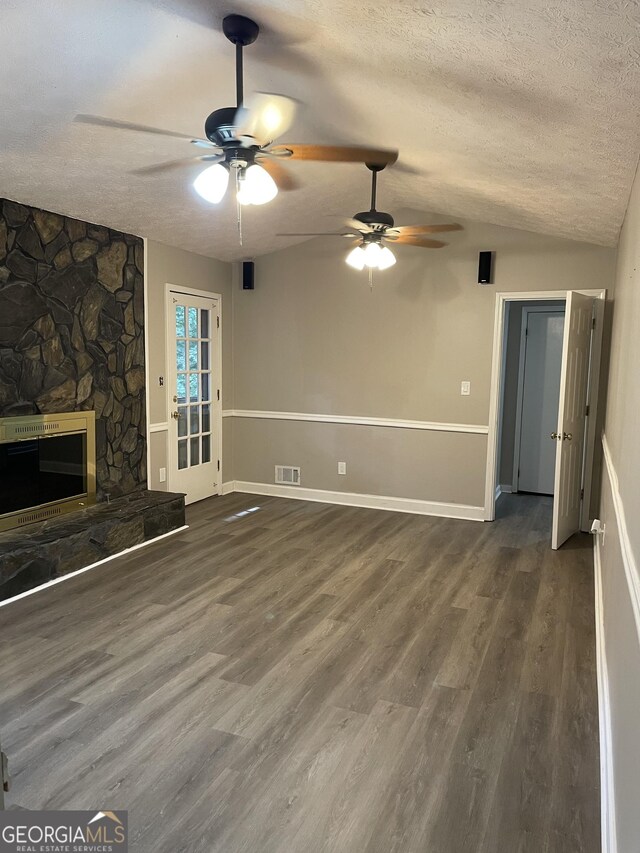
<point x="288" y="475"/>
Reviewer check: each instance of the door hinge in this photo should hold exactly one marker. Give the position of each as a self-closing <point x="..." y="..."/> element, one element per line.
<point x="593" y="322"/>
<point x="218" y="464"/>
<point x="586" y="411"/>
<point x="581" y="494"/>
<point x="218" y="322"/>
<point x="218" y="393"/>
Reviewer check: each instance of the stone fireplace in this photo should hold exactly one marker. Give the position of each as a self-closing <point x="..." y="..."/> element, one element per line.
<point x="72" y="346"/>
<point x="72" y="333"/>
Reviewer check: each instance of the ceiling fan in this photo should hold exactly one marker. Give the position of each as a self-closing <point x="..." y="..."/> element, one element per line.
<point x="374" y="229"/>
<point x="241" y="138"/>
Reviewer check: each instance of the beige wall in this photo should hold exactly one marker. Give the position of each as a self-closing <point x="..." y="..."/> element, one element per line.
<point x="166" y="264"/>
<point x="620" y="584"/>
<point x="313" y="337"/>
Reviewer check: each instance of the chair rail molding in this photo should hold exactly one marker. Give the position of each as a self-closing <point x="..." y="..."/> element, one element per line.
<point x="394" y="423"/>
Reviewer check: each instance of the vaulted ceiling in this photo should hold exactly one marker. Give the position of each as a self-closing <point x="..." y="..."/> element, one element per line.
<point x="516" y="113"/>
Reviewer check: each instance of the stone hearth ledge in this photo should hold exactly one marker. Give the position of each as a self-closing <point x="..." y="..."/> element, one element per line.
<point x="37" y="553"/>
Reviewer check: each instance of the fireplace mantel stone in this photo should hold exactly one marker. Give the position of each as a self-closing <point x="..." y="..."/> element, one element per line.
<point x="37" y="553"/>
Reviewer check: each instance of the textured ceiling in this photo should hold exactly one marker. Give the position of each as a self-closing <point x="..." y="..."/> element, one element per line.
<point x="517" y="113"/>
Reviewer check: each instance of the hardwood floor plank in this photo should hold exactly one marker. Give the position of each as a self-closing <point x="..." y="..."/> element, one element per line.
<point x="317" y="678"/>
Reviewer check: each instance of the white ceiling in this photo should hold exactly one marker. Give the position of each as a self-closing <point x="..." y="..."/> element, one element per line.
<point x="517" y="113"/>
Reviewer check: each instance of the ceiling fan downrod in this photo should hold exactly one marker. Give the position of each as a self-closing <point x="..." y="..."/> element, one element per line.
<point x="240" y="31"/>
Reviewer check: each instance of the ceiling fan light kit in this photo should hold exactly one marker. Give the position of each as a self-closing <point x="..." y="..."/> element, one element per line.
<point x="256" y="186"/>
<point x="211" y="184"/>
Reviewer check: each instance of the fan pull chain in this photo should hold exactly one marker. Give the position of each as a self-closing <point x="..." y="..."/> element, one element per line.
<point x="238" y="206"/>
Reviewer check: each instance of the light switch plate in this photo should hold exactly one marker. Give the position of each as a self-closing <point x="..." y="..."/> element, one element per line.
<point x="342" y="467"/>
<point x="163" y="475"/>
<point x="465" y="388"/>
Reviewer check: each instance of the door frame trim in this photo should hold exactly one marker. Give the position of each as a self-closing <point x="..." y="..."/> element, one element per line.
<point x="497" y="377"/>
<point x="526" y="311"/>
<point x="204" y="294"/>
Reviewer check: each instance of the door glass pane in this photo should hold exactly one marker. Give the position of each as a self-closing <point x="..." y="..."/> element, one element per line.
<point x="194" y="427"/>
<point x="206" y="418"/>
<point x="204" y="320"/>
<point x="182" y="388"/>
<point x="206" y="448"/>
<point x="193" y="355"/>
<point x="193" y="322"/>
<point x="205" y="386"/>
<point x="182" y="454"/>
<point x="182" y="421"/>
<point x="180" y="322"/>
<point x="195" y="447"/>
<point x="205" y="355"/>
<point x="181" y="357"/>
<point x="193" y="388"/>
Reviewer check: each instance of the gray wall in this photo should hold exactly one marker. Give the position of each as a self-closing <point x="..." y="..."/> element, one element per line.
<point x="168" y="265"/>
<point x="620" y="584"/>
<point x="314" y="338"/>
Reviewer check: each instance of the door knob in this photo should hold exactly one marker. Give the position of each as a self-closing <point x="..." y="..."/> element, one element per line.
<point x="567" y="436"/>
<point x="554" y="435"/>
<point x="175" y="415"/>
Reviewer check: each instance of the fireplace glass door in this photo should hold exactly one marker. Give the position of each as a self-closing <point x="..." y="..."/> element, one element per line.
<point x="42" y="470"/>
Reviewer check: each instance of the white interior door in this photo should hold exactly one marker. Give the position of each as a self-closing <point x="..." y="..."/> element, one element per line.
<point x="540" y="394"/>
<point x="195" y="416"/>
<point x="576" y="351"/>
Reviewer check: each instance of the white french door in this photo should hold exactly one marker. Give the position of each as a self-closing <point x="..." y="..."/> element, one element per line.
<point x="193" y="393"/>
<point x="570" y="434"/>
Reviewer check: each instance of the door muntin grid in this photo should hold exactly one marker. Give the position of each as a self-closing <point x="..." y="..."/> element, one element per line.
<point x="194" y="384"/>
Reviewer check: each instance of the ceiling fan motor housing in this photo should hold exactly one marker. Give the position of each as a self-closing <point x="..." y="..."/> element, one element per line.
<point x="219" y="127"/>
<point x="375" y="217"/>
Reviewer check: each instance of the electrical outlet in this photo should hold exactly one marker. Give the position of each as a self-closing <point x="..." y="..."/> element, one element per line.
<point x="465" y="388"/>
<point x="342" y="467"/>
<point x="163" y="475"/>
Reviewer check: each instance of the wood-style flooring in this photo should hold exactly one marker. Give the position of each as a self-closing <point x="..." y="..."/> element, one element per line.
<point x="300" y="677"/>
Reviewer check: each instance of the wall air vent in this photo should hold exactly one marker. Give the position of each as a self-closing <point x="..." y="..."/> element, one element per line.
<point x="287" y="475"/>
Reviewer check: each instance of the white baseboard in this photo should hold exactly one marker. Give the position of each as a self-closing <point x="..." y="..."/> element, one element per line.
<point x="498" y="491"/>
<point x="77" y="572"/>
<point x="607" y="800"/>
<point x="228" y="487"/>
<point x="417" y="507"/>
<point x="506" y="489"/>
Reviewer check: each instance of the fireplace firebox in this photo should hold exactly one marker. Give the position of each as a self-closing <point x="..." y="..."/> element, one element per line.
<point x="47" y="466"/>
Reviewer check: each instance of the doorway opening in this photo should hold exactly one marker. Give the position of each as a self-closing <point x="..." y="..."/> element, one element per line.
<point x="543" y="402"/>
<point x="530" y="397"/>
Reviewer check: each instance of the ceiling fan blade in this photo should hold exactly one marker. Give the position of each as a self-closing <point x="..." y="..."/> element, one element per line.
<point x="285" y="181"/>
<point x="316" y="234"/>
<point x="336" y="153"/>
<point x="209" y="159"/>
<point x="359" y="226"/>
<point x="100" y="121"/>
<point x="426" y="229"/>
<point x="204" y="143"/>
<point x="264" y="117"/>
<point x="416" y="240"/>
